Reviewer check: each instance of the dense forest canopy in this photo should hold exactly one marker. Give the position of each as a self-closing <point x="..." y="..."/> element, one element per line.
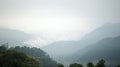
<point x="44" y="58"/>
<point x="12" y="58"/>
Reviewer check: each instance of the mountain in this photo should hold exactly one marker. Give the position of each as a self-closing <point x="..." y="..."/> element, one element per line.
<point x="63" y="49"/>
<point x="13" y="40"/>
<point x="13" y="58"/>
<point x="107" y="30"/>
<point x="36" y="53"/>
<point x="13" y="36"/>
<point x="58" y="50"/>
<point x="107" y="48"/>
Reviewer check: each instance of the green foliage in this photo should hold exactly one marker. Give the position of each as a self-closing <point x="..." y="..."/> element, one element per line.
<point x="60" y="65"/>
<point x="3" y="47"/>
<point x="16" y="57"/>
<point x="118" y="66"/>
<point x="13" y="58"/>
<point x="101" y="63"/>
<point x="45" y="59"/>
<point x="76" y="65"/>
<point x="90" y="64"/>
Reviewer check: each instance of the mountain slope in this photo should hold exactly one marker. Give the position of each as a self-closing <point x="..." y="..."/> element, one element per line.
<point x="13" y="36"/>
<point x="37" y="53"/>
<point x="60" y="50"/>
<point x="17" y="35"/>
<point x="13" y="58"/>
<point x="46" y="61"/>
<point x="107" y="30"/>
<point x="107" y="49"/>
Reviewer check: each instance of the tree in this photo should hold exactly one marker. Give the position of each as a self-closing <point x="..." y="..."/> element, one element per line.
<point x="3" y="47"/>
<point x="90" y="64"/>
<point x="60" y="65"/>
<point x="76" y="65"/>
<point x="118" y="66"/>
<point x="13" y="58"/>
<point x="101" y="63"/>
<point x="45" y="59"/>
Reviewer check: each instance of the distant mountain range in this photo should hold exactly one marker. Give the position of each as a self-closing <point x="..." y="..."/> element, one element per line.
<point x="102" y="42"/>
<point x="13" y="37"/>
<point x="64" y="49"/>
<point x="107" y="30"/>
<point x="10" y="37"/>
<point x="108" y="49"/>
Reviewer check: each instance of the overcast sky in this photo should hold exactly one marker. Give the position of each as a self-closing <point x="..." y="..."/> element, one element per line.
<point x="58" y="19"/>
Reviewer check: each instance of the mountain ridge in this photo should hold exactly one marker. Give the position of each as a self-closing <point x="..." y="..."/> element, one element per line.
<point x="105" y="31"/>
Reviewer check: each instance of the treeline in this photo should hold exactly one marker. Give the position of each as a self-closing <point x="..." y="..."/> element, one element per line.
<point x="42" y="56"/>
<point x="34" y="57"/>
<point x="11" y="58"/>
<point x="101" y="63"/>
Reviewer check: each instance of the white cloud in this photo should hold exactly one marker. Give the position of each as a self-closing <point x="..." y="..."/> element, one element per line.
<point x="58" y="19"/>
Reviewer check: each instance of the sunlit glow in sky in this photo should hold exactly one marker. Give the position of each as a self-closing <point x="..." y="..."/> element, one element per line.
<point x="54" y="20"/>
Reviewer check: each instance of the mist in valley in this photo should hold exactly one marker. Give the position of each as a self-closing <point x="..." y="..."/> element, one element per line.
<point x="59" y="33"/>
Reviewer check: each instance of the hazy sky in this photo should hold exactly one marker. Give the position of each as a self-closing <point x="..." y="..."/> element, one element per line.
<point x="58" y="19"/>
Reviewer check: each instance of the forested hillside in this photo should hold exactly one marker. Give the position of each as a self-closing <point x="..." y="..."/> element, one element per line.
<point x="11" y="58"/>
<point x="44" y="58"/>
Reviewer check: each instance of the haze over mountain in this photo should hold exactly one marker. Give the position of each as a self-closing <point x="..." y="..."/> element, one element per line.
<point x="63" y="49"/>
<point x="107" y="48"/>
<point x="107" y="30"/>
<point x="57" y="20"/>
<point x="67" y="30"/>
<point x="14" y="37"/>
